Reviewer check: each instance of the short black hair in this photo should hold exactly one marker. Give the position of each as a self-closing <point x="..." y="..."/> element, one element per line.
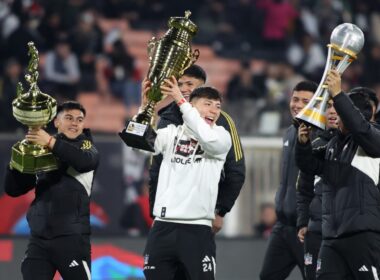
<point x="206" y="92"/>
<point x="196" y="71"/>
<point x="361" y="98"/>
<point x="371" y="94"/>
<point x="71" y="105"/>
<point x="306" y="86"/>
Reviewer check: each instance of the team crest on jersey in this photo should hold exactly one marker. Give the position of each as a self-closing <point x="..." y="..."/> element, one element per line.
<point x="86" y="145"/>
<point x="308" y="259"/>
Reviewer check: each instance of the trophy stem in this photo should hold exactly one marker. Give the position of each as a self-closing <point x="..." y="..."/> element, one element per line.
<point x="147" y="113"/>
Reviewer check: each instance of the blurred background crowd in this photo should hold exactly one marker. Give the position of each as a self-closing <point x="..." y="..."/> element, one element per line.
<point x="262" y="48"/>
<point x="254" y="52"/>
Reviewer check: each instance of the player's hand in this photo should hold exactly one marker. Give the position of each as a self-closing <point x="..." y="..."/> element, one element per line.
<point x="145" y="87"/>
<point x="301" y="234"/>
<point x="217" y="224"/>
<point x="334" y="83"/>
<point x="303" y="133"/>
<point x="38" y="136"/>
<point x="170" y="88"/>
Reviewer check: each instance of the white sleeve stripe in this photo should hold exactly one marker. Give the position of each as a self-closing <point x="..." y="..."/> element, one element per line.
<point x="214" y="263"/>
<point x="87" y="269"/>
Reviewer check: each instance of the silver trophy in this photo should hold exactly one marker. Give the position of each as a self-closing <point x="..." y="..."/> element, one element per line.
<point x="346" y="42"/>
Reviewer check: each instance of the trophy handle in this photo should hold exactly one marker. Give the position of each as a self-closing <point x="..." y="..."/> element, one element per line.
<point x="195" y="56"/>
<point x="191" y="60"/>
<point x="19" y="89"/>
<point x="151" y="45"/>
<point x="50" y="109"/>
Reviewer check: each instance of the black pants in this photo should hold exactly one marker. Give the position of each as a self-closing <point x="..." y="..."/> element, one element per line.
<point x="353" y="257"/>
<point x="173" y="246"/>
<point x="311" y="250"/>
<point x="283" y="253"/>
<point x="70" y="255"/>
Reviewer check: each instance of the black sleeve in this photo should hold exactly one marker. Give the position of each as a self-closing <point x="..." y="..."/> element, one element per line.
<point x="17" y="183"/>
<point x="83" y="157"/>
<point x="234" y="170"/>
<point x="305" y="194"/>
<point x="154" y="170"/>
<point x="306" y="161"/>
<point x="364" y="133"/>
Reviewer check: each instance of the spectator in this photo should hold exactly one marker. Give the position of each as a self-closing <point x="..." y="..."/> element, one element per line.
<point x="245" y="94"/>
<point x="86" y="42"/>
<point x="267" y="221"/>
<point x="307" y="57"/>
<point x="124" y="80"/>
<point x="17" y="41"/>
<point x="62" y="71"/>
<point x="13" y="74"/>
<point x="280" y="15"/>
<point x="136" y="219"/>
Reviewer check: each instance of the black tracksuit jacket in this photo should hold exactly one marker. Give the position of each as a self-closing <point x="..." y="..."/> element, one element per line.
<point x="286" y="194"/>
<point x="62" y="197"/>
<point x="233" y="174"/>
<point x="350" y="169"/>
<point x="309" y="192"/>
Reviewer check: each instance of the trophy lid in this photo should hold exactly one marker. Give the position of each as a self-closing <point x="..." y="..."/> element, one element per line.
<point x="184" y="23"/>
<point x="348" y="38"/>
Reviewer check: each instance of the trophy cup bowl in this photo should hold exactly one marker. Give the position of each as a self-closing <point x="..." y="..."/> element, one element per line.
<point x="33" y="109"/>
<point x="169" y="56"/>
<point x="348" y="38"/>
<point x="346" y="41"/>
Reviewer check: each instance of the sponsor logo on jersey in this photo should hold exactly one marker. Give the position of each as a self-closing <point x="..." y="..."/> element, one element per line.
<point x="184" y="150"/>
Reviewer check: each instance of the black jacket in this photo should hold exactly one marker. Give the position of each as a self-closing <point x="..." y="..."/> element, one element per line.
<point x="62" y="197"/>
<point x="286" y="193"/>
<point x="309" y="188"/>
<point x="233" y="175"/>
<point x="350" y="169"/>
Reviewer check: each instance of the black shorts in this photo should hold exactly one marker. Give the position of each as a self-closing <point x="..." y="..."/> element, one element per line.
<point x="70" y="255"/>
<point x="353" y="257"/>
<point x="187" y="246"/>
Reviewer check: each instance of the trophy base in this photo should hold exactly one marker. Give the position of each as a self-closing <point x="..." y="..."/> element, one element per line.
<point x="32" y="162"/>
<point x="139" y="136"/>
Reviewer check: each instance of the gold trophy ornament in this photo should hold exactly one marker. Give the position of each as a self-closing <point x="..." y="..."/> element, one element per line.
<point x="33" y="109"/>
<point x="346" y="42"/>
<point x="169" y="56"/>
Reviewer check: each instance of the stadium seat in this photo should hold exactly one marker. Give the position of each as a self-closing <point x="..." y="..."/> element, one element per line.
<point x="103" y="116"/>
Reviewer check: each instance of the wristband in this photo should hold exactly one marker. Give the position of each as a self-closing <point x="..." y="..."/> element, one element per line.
<point x="183" y="100"/>
<point x="48" y="144"/>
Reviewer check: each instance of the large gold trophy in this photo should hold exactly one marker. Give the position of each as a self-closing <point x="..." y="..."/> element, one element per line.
<point x="346" y="42"/>
<point x="169" y="56"/>
<point x="33" y="109"/>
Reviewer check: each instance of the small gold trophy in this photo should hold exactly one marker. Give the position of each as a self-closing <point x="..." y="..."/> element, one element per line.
<point x="169" y="56"/>
<point x="33" y="109"/>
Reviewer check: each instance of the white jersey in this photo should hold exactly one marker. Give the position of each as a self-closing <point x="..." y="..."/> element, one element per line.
<point x="193" y="157"/>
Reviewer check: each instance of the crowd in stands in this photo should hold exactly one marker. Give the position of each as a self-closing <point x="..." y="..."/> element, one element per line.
<point x="277" y="42"/>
